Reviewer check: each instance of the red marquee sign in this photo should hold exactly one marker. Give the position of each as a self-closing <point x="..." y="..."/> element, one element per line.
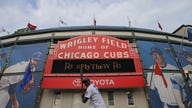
<point x="108" y="61"/>
<point x="93" y="47"/>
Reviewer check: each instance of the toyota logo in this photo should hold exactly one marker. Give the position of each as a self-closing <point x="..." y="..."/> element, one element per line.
<point x="77" y="82"/>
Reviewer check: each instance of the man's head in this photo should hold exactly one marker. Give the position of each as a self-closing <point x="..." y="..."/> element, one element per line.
<point x="158" y="56"/>
<point x="188" y="56"/>
<point x="86" y="81"/>
<point x="156" y="50"/>
<point x="2" y="54"/>
<point x="35" y="58"/>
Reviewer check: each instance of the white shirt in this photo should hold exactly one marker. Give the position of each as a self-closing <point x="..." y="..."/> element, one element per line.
<point x="168" y="66"/>
<point x="95" y="99"/>
<point x="166" y="94"/>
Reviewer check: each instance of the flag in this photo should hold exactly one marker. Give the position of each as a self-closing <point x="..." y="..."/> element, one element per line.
<point x="27" y="77"/>
<point x="160" y="26"/>
<point x="159" y="72"/>
<point x="4" y="30"/>
<point x="189" y="32"/>
<point x="94" y="23"/>
<point x="129" y="21"/>
<point x="62" y="22"/>
<point x="31" y="26"/>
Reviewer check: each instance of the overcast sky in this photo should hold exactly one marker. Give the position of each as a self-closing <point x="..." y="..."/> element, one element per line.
<point x="15" y="14"/>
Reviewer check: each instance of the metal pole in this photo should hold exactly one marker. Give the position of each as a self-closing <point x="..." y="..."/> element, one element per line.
<point x="178" y="63"/>
<point x="81" y="75"/>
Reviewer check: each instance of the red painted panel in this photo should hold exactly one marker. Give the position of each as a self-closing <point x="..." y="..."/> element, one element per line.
<point x="101" y="82"/>
<point x="48" y="67"/>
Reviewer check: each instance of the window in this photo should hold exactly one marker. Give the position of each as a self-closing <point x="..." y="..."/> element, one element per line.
<point x="130" y="97"/>
<point x="110" y="98"/>
<point x="57" y="99"/>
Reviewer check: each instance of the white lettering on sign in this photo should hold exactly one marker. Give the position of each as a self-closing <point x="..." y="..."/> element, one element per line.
<point x="116" y="54"/>
<point x="103" y="82"/>
<point x="78" y="55"/>
<point x="86" y="40"/>
<point x="100" y="82"/>
<point x="89" y="47"/>
<point x="92" y="55"/>
<point x="114" y="43"/>
<point x="78" y="41"/>
<point x="93" y="47"/>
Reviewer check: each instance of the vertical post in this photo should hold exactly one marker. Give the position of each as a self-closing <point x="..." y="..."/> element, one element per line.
<point x="178" y="63"/>
<point x="39" y="89"/>
<point x="151" y="79"/>
<point x="94" y="25"/>
<point x="175" y="57"/>
<point x="93" y="32"/>
<point x="81" y="75"/>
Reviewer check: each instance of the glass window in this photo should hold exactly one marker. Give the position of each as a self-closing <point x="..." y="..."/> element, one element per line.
<point x="130" y="97"/>
<point x="57" y="99"/>
<point x="110" y="98"/>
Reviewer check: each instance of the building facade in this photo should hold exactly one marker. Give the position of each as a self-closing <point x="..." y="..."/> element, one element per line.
<point x="119" y="60"/>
